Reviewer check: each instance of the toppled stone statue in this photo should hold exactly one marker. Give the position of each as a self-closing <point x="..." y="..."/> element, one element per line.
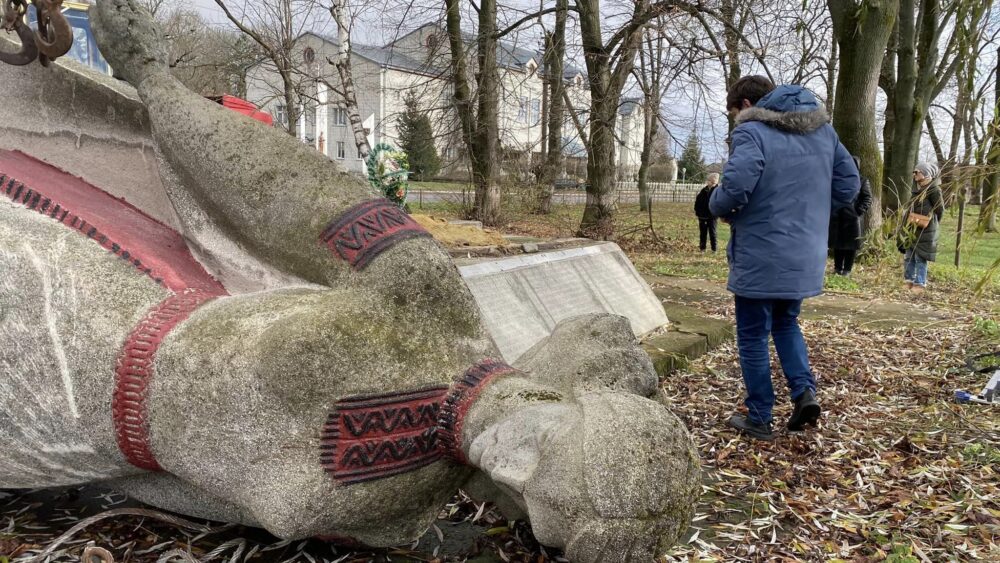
<point x="303" y="357"/>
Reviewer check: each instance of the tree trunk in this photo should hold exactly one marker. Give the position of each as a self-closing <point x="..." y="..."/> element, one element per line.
<point x="486" y="141"/>
<point x="291" y="103"/>
<point x="991" y="182"/>
<point x="598" y="215"/>
<point x="460" y="73"/>
<point x="650" y="77"/>
<point x="728" y="12"/>
<point x="831" y="77"/>
<point x="608" y="67"/>
<point x="650" y="127"/>
<point x="862" y="36"/>
<point x="887" y="82"/>
<point x="554" y="54"/>
<point x="339" y="11"/>
<point x="479" y="128"/>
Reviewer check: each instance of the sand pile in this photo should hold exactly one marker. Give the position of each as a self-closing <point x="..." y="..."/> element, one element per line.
<point x="458" y="235"/>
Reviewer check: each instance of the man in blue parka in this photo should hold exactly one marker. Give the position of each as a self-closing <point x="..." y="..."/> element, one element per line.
<point x="786" y="171"/>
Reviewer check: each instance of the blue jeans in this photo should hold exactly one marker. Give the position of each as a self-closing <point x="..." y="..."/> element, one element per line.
<point x="915" y="268"/>
<point x="756" y="319"/>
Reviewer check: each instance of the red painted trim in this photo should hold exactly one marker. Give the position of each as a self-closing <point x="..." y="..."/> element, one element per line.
<point x="366" y="230"/>
<point x="369" y="437"/>
<point x="463" y="395"/>
<point x="135" y="370"/>
<point x="149" y="246"/>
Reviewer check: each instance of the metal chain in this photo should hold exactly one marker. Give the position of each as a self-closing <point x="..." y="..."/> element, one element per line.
<point x="13" y="13"/>
<point x="53" y="38"/>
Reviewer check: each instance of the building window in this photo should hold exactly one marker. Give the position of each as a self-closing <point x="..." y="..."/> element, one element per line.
<point x="340" y="116"/>
<point x="529" y="111"/>
<point x="281" y="114"/>
<point x="341" y="154"/>
<point x="431" y="41"/>
<point x="449" y="153"/>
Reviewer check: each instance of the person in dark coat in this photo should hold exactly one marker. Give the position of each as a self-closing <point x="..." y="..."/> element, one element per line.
<point x="787" y="170"/>
<point x="920" y="244"/>
<point x="845" y="228"/>
<point x="706" y="221"/>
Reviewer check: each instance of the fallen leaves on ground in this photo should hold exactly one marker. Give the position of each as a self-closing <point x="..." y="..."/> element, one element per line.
<point x="897" y="471"/>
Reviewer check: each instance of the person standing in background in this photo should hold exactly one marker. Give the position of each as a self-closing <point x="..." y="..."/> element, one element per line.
<point x="920" y="225"/>
<point x="706" y="221"/>
<point x="845" y="228"/>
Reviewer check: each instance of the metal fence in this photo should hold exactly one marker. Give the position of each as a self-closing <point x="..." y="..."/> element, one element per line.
<point x="659" y="192"/>
<point x="625" y="192"/>
<point x="628" y="192"/>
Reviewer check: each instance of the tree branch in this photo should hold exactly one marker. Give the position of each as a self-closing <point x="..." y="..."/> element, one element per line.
<point x="524" y="20"/>
<point x="251" y="33"/>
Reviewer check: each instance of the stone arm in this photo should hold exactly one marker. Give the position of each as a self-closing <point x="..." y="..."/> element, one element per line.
<point x="277" y="198"/>
<point x="244" y="392"/>
<point x="280" y="201"/>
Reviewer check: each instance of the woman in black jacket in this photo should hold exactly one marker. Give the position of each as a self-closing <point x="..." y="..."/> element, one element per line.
<point x="845" y="228"/>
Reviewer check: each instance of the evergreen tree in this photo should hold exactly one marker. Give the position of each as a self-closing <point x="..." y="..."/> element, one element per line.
<point x="416" y="139"/>
<point x="692" y="161"/>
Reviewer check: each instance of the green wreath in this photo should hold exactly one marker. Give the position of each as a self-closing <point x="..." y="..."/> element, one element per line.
<point x="389" y="172"/>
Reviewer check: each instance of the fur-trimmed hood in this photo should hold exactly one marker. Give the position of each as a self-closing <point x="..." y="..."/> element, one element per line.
<point x="789" y="108"/>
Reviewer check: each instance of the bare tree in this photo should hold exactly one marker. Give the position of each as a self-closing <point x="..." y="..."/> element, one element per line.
<point x="921" y="72"/>
<point x="208" y="60"/>
<point x="153" y="6"/>
<point x="480" y="128"/>
<point x="654" y="77"/>
<point x="862" y="33"/>
<point x="609" y="64"/>
<point x="274" y="25"/>
<point x="991" y="162"/>
<point x="341" y="14"/>
<point x="555" y="53"/>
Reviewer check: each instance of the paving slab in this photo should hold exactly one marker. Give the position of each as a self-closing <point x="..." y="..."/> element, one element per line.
<point x="690" y="334"/>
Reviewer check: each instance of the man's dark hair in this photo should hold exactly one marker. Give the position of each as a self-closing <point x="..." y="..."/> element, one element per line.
<point x="750" y="88"/>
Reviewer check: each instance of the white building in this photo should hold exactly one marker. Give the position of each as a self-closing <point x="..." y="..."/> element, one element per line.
<point x="419" y="61"/>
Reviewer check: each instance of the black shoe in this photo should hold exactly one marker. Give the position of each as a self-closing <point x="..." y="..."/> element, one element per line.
<point x="806" y="411"/>
<point x="750" y="428"/>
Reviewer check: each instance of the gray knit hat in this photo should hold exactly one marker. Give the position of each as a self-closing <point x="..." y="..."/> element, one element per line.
<point x="928" y="169"/>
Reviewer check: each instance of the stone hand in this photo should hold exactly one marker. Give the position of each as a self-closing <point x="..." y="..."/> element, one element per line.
<point x="573" y="443"/>
<point x="609" y="476"/>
